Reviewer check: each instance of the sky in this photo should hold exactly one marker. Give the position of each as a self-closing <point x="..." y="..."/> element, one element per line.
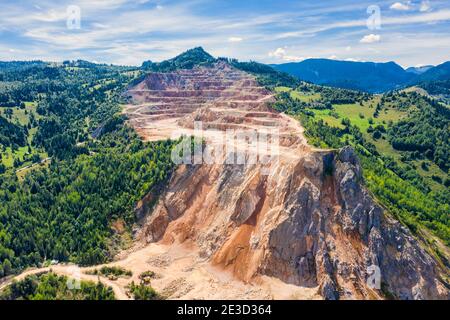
<point x="128" y="32"/>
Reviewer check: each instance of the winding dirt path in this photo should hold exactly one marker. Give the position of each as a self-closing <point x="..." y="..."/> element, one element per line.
<point x="181" y="274"/>
<point x="69" y="271"/>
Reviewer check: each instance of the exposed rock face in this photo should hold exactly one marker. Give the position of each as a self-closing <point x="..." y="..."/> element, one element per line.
<point x="298" y="224"/>
<point x="304" y="217"/>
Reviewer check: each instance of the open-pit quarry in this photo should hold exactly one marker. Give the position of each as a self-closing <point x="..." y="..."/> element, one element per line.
<point x="298" y="225"/>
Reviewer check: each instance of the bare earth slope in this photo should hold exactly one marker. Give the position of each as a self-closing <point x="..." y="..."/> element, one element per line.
<point x="303" y="218"/>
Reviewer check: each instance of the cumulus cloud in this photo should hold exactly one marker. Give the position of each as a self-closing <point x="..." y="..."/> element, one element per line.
<point x="400" y="6"/>
<point x="371" y="38"/>
<point x="235" y="39"/>
<point x="280" y="53"/>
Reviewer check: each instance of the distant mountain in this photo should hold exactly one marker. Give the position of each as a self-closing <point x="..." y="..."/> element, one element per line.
<point x="436" y="81"/>
<point x="365" y="76"/>
<point x="419" y="70"/>
<point x="438" y="73"/>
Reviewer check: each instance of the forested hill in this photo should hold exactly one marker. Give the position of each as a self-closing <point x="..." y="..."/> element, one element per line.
<point x="187" y="60"/>
<point x="438" y="73"/>
<point x="78" y="206"/>
<point x="11" y="134"/>
<point x="436" y="82"/>
<point x="402" y="139"/>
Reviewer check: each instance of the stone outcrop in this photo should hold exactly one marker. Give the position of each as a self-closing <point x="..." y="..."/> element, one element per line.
<point x="304" y="217"/>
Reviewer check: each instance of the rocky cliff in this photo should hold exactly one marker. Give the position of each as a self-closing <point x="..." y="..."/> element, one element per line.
<point x="309" y="223"/>
<point x="303" y="217"/>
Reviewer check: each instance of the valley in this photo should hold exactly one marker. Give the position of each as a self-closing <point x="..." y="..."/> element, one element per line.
<point x="365" y="116"/>
<point x="305" y="220"/>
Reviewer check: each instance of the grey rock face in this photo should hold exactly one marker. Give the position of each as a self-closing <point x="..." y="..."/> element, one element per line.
<point x="406" y="270"/>
<point x="309" y="223"/>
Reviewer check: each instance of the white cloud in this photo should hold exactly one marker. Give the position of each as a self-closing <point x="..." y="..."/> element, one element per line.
<point x="425" y="6"/>
<point x="100" y="25"/>
<point x="235" y="39"/>
<point x="348" y="48"/>
<point x="101" y="4"/>
<point x="51" y="15"/>
<point x="281" y="54"/>
<point x="371" y="38"/>
<point x="278" y="53"/>
<point x="400" y="6"/>
<point x="333" y="57"/>
<point x="353" y="60"/>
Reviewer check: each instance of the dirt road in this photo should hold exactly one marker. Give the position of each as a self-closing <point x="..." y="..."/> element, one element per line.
<point x="181" y="274"/>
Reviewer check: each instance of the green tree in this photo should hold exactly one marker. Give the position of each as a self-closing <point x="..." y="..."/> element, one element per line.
<point x="7" y="267"/>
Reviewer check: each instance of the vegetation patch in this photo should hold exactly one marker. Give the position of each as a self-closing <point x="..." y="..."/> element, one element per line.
<point x="112" y="273"/>
<point x="369" y="124"/>
<point x="50" y="286"/>
<point x="66" y="208"/>
<point x="147" y="276"/>
<point x="143" y="292"/>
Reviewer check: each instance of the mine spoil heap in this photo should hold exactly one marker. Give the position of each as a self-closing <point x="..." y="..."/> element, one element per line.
<point x="304" y="217"/>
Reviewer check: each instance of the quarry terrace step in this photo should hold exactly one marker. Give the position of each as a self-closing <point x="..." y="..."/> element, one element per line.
<point x="233" y="104"/>
<point x="246" y="113"/>
<point x="259" y="121"/>
<point x="200" y="92"/>
<point x="223" y="126"/>
<point x="144" y="121"/>
<point x="162" y="106"/>
<point x="262" y="115"/>
<point x="166" y="111"/>
<point x="173" y="99"/>
<point x="202" y="74"/>
<point x="165" y="116"/>
<point x="203" y="98"/>
<point x="201" y="89"/>
<point x="198" y="76"/>
<point x="241" y="117"/>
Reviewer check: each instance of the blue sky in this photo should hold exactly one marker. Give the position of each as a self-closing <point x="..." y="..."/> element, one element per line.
<point x="131" y="31"/>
